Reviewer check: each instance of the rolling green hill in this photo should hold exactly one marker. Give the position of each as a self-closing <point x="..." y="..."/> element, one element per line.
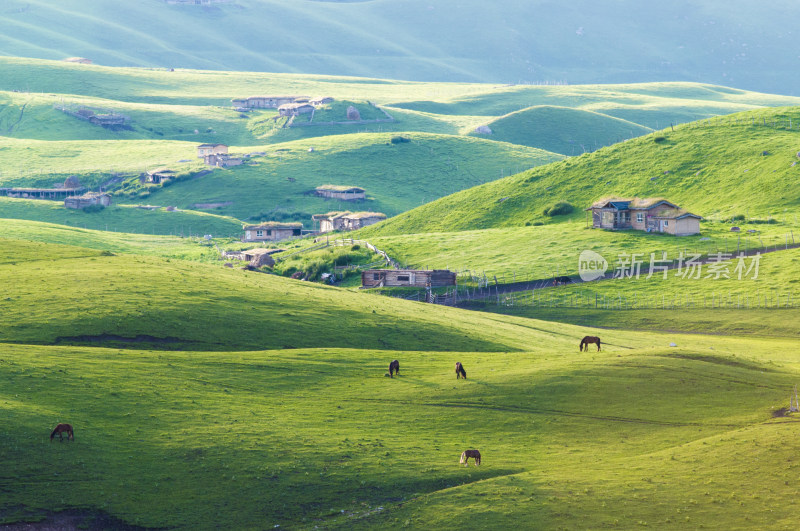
<point x="507" y="41"/>
<point x="171" y="112"/>
<point x="311" y="433"/>
<point x="303" y="438"/>
<point x="137" y="299"/>
<point x="562" y="130"/>
<point x="739" y="164"/>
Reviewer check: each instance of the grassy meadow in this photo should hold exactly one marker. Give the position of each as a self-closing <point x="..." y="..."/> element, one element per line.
<point x="172" y="111"/>
<point x="319" y="437"/>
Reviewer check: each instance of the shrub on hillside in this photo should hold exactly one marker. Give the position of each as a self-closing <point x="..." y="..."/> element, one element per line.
<point x="90" y="209"/>
<point x="738" y="217"/>
<point x="659" y="139"/>
<point x="561" y="208"/>
<point x="400" y="139"/>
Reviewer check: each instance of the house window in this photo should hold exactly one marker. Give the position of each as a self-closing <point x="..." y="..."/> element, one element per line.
<point x="403" y="278"/>
<point x="639" y="217"/>
<point x="666" y="223"/>
<point x="376" y="276"/>
<point x="259" y="233"/>
<point x="269" y="232"/>
<point x="295" y="232"/>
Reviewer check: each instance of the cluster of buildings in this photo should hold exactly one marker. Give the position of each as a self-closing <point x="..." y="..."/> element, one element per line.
<point x="286" y="105"/>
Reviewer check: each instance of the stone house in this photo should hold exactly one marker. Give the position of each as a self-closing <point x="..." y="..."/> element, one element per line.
<point x="159" y="175"/>
<point x="266" y="102"/>
<point x="649" y="214"/>
<point x="203" y="150"/>
<point x="272" y="231"/>
<point x="222" y="160"/>
<point x="88" y="199"/>
<point x="346" y="220"/>
<point x="295" y="109"/>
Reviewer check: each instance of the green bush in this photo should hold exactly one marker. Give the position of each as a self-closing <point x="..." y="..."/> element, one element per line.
<point x="561" y="208"/>
<point x="738" y="217"/>
<point x="93" y="208"/>
<point x="400" y="139"/>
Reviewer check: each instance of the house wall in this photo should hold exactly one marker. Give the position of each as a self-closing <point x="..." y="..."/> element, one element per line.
<point x="326" y="225"/>
<point x="687" y="226"/>
<point x="205" y="151"/>
<point x="272" y="235"/>
<point x="407" y="278"/>
<point x="639" y="225"/>
<point x="347" y="196"/>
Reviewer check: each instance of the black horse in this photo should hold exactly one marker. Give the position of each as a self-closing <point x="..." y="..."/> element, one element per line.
<point x="460" y="372"/>
<point x="557" y="281"/>
<point x="394" y="368"/>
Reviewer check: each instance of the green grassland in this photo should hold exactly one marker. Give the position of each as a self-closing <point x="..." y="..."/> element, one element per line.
<point x="79" y="240"/>
<point x="531" y="42"/>
<point x="755" y="296"/>
<point x="172" y="111"/>
<point x="397" y="177"/>
<point x="41" y="163"/>
<point x="123" y="218"/>
<point x="562" y="130"/>
<point x="739" y="164"/>
<point x="545" y="250"/>
<point x="202" y="395"/>
<point x="182" y="304"/>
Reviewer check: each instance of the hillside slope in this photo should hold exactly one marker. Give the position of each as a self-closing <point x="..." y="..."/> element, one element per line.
<point x="562" y="130"/>
<point x="506" y="41"/>
<point x="130" y="300"/>
<point x="740" y="164"/>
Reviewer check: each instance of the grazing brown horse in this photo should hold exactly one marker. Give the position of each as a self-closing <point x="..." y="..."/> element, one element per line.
<point x="460" y="372"/>
<point x="60" y="430"/>
<point x="557" y="281"/>
<point x="394" y="368"/>
<point x="587" y="340"/>
<point x="474" y="454"/>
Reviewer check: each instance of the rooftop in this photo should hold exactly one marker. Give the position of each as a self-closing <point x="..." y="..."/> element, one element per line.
<point x="339" y="188"/>
<point x="274" y="225"/>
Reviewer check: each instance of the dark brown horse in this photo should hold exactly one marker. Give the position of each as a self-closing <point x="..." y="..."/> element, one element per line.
<point x="557" y="281"/>
<point x="474" y="454"/>
<point x="394" y="368"/>
<point x="60" y="430"/>
<point x="460" y="372"/>
<point x="587" y="340"/>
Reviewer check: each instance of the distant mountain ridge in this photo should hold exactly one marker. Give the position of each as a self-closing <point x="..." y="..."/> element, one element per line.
<point x="746" y="45"/>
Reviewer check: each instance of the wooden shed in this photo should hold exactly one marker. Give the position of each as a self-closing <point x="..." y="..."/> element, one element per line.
<point x="415" y="278"/>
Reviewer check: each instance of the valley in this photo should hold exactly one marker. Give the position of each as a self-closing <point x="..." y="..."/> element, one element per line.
<point x="211" y="389"/>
